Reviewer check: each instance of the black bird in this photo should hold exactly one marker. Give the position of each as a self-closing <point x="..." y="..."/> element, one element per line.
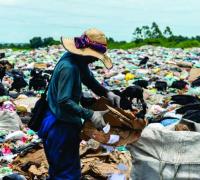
<point x="128" y="95"/>
<point x="141" y="83"/>
<point x="184" y="99"/>
<point x="18" y="83"/>
<point x="124" y="102"/>
<point x="144" y="61"/>
<point x="133" y="92"/>
<point x="161" y="85"/>
<point x="38" y="81"/>
<point x="180" y="84"/>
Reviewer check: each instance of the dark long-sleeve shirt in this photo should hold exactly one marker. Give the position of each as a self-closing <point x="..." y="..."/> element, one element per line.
<point x="65" y="91"/>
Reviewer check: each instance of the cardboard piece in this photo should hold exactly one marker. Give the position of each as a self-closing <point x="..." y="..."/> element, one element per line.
<point x="123" y="124"/>
<point x="40" y="65"/>
<point x="194" y="74"/>
<point x="33" y="164"/>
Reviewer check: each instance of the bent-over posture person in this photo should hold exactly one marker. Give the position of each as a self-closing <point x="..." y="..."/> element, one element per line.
<point x="60" y="129"/>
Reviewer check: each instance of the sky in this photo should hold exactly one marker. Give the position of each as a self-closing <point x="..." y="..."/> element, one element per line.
<point x="20" y="20"/>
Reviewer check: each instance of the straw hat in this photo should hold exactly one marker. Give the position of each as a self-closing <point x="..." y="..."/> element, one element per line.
<point x="92" y="43"/>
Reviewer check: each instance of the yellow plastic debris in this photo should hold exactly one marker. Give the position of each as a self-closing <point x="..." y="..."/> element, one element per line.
<point x="129" y="76"/>
<point x="156" y="70"/>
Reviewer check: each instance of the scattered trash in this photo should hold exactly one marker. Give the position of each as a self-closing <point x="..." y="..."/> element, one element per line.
<point x="171" y="89"/>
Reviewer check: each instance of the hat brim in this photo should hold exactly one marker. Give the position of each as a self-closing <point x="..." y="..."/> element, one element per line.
<point x="69" y="45"/>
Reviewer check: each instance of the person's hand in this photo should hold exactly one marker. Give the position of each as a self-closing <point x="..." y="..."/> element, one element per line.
<point x="114" y="99"/>
<point x="97" y="119"/>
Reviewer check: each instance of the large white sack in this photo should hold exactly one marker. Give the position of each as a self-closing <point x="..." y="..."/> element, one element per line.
<point x="9" y="121"/>
<point x="163" y="154"/>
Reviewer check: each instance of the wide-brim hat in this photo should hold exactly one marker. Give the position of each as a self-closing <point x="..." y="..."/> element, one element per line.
<point x="92" y="43"/>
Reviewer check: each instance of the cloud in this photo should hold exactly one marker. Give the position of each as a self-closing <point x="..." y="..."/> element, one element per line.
<point x="10" y="2"/>
<point x="23" y="19"/>
<point x="13" y="3"/>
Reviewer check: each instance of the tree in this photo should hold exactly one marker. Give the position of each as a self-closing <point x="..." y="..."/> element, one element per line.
<point x="146" y="32"/>
<point x="167" y="32"/>
<point x="155" y="31"/>
<point x="197" y="38"/>
<point x="178" y="38"/>
<point x="36" y="42"/>
<point x="137" y="33"/>
<point x="110" y="39"/>
<point x="48" y="41"/>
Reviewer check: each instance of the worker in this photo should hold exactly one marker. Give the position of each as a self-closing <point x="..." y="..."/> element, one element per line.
<point x="61" y="127"/>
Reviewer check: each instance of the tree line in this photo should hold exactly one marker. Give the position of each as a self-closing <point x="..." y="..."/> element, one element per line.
<point x="35" y="42"/>
<point x="153" y="35"/>
<point x="145" y="35"/>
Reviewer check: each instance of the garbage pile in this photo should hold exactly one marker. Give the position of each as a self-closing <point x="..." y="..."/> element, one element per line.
<point x="23" y="155"/>
<point x="157" y="85"/>
<point x="101" y="162"/>
<point x="14" y="145"/>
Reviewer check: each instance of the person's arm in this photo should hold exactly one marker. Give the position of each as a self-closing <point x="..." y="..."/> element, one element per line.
<point x="89" y="80"/>
<point x="65" y="90"/>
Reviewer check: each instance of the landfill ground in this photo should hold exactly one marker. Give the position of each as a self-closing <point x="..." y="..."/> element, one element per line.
<point x="21" y="150"/>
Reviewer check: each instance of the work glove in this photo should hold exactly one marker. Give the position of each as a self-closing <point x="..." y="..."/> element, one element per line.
<point x="97" y="119"/>
<point x="114" y="99"/>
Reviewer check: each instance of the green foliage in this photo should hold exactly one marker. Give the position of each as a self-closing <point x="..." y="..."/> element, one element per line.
<point x="189" y="44"/>
<point x="15" y="46"/>
<point x="155" y="31"/>
<point x="146" y="32"/>
<point x="164" y="42"/>
<point x="145" y="35"/>
<point x="167" y="32"/>
<point x="50" y="41"/>
<point x="121" y="45"/>
<point x="36" y="42"/>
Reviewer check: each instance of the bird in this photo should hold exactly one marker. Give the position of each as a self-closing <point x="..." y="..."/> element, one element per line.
<point x="184" y="99"/>
<point x="142" y="83"/>
<point x="144" y="61"/>
<point x="161" y="85"/>
<point x="180" y="84"/>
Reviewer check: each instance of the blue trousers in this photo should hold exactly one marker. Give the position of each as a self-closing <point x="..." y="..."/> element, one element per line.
<point x="61" y="144"/>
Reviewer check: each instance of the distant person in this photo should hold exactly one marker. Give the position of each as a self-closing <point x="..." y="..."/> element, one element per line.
<point x="60" y="129"/>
